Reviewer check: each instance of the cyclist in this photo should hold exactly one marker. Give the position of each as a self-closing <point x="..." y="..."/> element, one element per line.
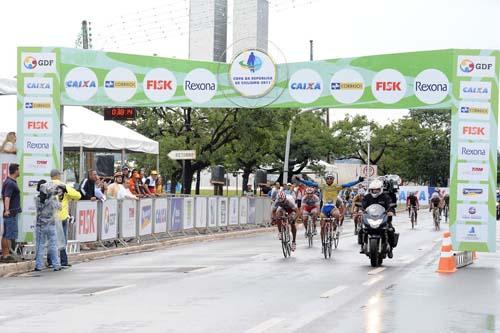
<point x="435" y="202"/>
<point x="356" y="211"/>
<point x="447" y="202"/>
<point x="411" y="202"/>
<point x="309" y="208"/>
<point x="285" y="204"/>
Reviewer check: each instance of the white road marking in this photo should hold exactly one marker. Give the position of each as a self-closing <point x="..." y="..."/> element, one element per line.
<point x="259" y="256"/>
<point x="373" y="280"/>
<point x="110" y="290"/>
<point x="303" y="321"/>
<point x="438" y="240"/>
<point x="376" y="270"/>
<point x="264" y="326"/>
<point x="333" y="291"/>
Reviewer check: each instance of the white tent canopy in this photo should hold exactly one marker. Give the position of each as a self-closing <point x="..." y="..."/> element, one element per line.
<point x="83" y="128"/>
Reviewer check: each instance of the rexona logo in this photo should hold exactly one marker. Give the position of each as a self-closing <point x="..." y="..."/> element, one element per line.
<point x="431" y="86"/>
<point x="81" y="84"/>
<point x="473" y="151"/>
<point x="347" y="86"/>
<point x="37" y="145"/>
<point x="476" y="66"/>
<point x="159" y="84"/>
<point x="38" y="125"/>
<point x="38" y="62"/>
<point x="200" y="85"/>
<point x="475" y="90"/>
<point x="37" y="105"/>
<point x="38" y="86"/>
<point x="120" y="84"/>
<point x="305" y="86"/>
<point x="252" y="73"/>
<point x="389" y="86"/>
<point x="474" y="130"/>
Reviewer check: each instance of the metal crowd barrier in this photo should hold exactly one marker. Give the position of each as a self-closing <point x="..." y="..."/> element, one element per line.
<point x="153" y="218"/>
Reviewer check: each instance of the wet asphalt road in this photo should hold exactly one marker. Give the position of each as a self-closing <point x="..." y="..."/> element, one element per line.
<point x="245" y="285"/>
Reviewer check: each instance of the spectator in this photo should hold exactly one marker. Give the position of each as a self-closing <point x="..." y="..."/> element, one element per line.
<point x="9" y="145"/>
<point x="69" y="193"/>
<point x="125" y="173"/>
<point x="47" y="206"/>
<point x="117" y="190"/>
<point x="100" y="188"/>
<point x="160" y="185"/>
<point x="151" y="182"/>
<point x="136" y="185"/>
<point x="128" y="194"/>
<point x="11" y="209"/>
<point x="87" y="188"/>
<point x="274" y="191"/>
<point x="143" y="176"/>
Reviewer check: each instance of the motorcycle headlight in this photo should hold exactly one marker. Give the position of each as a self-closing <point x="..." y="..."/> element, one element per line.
<point x="374" y="223"/>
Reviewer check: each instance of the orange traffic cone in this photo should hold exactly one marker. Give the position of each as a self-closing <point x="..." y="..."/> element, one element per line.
<point x="447" y="261"/>
<point x="474" y="255"/>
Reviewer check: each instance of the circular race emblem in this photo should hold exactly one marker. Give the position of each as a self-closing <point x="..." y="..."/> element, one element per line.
<point x="431" y="86"/>
<point x="252" y="73"/>
<point x="81" y="84"/>
<point x="389" y="86"/>
<point x="305" y="86"/>
<point x="159" y="85"/>
<point x="200" y="85"/>
<point x="347" y="86"/>
<point x="120" y="84"/>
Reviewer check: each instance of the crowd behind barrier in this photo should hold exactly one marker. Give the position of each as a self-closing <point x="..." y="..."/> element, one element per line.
<point x="97" y="221"/>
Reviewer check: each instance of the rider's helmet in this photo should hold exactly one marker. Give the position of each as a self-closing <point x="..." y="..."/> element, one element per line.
<point x="411" y="194"/>
<point x="375" y="188"/>
<point x="281" y="196"/>
<point x="309" y="190"/>
<point x="435" y="195"/>
<point x="329" y="177"/>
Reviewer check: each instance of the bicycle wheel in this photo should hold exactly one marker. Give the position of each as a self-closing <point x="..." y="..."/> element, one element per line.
<point x="336" y="235"/>
<point x="310" y="232"/>
<point x="330" y="245"/>
<point x="288" y="243"/>
<point x="412" y="219"/>
<point x="324" y="240"/>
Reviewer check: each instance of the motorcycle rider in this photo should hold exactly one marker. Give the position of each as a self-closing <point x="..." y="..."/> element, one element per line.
<point x="377" y="196"/>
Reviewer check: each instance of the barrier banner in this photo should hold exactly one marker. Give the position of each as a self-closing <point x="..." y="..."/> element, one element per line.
<point x="109" y="219"/>
<point x="161" y="214"/>
<point x="176" y="214"/>
<point x="212" y="212"/>
<point x="188" y="222"/>
<point x="1" y="221"/>
<point x="268" y="209"/>
<point x="251" y="210"/>
<point x="145" y="217"/>
<point x="86" y="219"/>
<point x="201" y="212"/>
<point x="259" y="210"/>
<point x="243" y="210"/>
<point x="422" y="193"/>
<point x="128" y="219"/>
<point x="233" y="211"/>
<point x="222" y="212"/>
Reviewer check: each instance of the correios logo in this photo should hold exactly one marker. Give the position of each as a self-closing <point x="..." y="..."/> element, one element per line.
<point x="159" y="85"/>
<point x="305" y="86"/>
<point x="120" y="84"/>
<point x="81" y="84"/>
<point x="37" y="105"/>
<point x="431" y="86"/>
<point x="38" y="62"/>
<point x="347" y="86"/>
<point x="200" y="85"/>
<point x="389" y="86"/>
<point x="476" y="66"/>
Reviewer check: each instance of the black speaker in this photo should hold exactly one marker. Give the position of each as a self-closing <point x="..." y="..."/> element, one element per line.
<point x="218" y="175"/>
<point x="105" y="165"/>
<point x="261" y="177"/>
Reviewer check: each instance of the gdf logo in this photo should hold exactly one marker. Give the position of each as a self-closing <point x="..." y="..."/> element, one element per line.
<point x="159" y="85"/>
<point x="305" y="86"/>
<point x="38" y="62"/>
<point x="81" y="84"/>
<point x="389" y="86"/>
<point x="476" y="66"/>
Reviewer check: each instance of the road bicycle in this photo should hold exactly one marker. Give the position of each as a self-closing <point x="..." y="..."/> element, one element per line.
<point x="330" y="237"/>
<point x="437" y="218"/>
<point x="286" y="245"/>
<point x="413" y="216"/>
<point x="309" y="230"/>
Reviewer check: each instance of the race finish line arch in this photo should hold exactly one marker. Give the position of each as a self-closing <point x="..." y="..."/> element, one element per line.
<point x="464" y="81"/>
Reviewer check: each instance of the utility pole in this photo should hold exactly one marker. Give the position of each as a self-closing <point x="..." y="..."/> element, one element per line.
<point x="86" y="35"/>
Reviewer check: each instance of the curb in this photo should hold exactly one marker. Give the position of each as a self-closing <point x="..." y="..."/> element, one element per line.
<point x="7" y="270"/>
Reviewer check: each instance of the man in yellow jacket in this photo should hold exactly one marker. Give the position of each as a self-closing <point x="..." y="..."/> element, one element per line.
<point x="69" y="194"/>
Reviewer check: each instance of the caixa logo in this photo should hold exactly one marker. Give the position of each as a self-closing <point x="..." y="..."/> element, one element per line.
<point x="478" y="90"/>
<point x="37" y="145"/>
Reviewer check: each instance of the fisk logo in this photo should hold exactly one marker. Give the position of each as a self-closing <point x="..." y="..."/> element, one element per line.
<point x="159" y="84"/>
<point x="474" y="130"/>
<point x="39" y="125"/>
<point x="387" y="86"/>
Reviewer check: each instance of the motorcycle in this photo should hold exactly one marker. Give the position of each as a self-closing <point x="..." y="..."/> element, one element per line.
<point x="375" y="234"/>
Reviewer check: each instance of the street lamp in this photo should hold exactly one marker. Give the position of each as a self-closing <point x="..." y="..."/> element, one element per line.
<point x="368" y="136"/>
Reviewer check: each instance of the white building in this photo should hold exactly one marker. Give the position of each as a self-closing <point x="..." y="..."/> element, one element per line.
<point x="250" y="25"/>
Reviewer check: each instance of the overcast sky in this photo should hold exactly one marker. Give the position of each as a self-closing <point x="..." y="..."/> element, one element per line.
<point x="338" y="28"/>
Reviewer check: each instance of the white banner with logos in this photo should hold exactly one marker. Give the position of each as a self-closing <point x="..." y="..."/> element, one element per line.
<point x="188" y="222"/>
<point x="421" y="192"/>
<point x="145" y="217"/>
<point x="86" y="221"/>
<point x="109" y="219"/>
<point x="128" y="220"/>
<point x="212" y="212"/>
<point x="161" y="215"/>
<point x="222" y="212"/>
<point x="233" y="210"/>
<point x="201" y="212"/>
<point x="243" y="210"/>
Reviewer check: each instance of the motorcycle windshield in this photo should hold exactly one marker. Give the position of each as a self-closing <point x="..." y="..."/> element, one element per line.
<point x="375" y="212"/>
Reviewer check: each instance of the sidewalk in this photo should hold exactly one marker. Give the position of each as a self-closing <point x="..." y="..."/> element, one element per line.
<point x="7" y="270"/>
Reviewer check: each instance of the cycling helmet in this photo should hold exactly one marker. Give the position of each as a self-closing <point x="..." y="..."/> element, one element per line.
<point x="411" y="194"/>
<point x="309" y="190"/>
<point x="281" y="196"/>
<point x="435" y="195"/>
<point x="375" y="188"/>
